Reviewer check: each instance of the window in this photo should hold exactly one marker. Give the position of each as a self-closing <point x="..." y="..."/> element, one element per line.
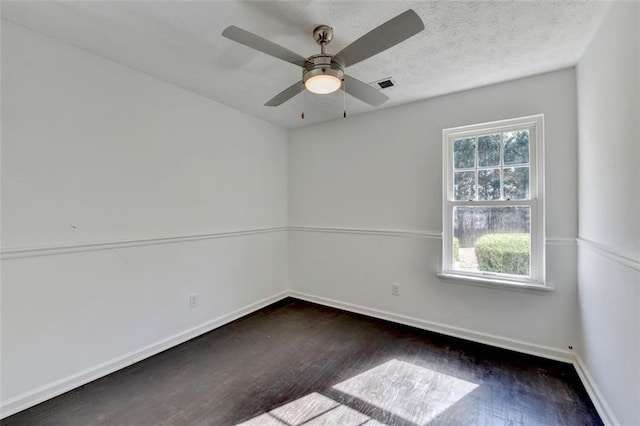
<point x="493" y="212"/>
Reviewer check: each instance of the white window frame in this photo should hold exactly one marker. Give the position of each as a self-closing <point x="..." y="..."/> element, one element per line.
<point x="535" y="125"/>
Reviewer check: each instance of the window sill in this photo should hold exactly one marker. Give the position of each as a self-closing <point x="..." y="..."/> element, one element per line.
<point x="496" y="283"/>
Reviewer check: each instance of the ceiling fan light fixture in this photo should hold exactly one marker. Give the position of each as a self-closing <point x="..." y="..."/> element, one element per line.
<point x="323" y="76"/>
<point x="324" y="73"/>
<point x="323" y="84"/>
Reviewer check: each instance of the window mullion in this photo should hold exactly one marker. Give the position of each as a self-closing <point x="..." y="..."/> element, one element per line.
<point x="494" y="203"/>
<point x="475" y="163"/>
<point x="501" y="165"/>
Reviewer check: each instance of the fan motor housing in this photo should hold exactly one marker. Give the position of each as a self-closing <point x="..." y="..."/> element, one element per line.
<point x="322" y="64"/>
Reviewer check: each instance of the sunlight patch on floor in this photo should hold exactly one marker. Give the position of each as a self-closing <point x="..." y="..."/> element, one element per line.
<point x="413" y="393"/>
<point x="312" y="410"/>
<point x="304" y="409"/>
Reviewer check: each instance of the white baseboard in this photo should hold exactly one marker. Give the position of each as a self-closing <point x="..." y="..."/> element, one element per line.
<point x="596" y="396"/>
<point x="488" y="339"/>
<point x="50" y="390"/>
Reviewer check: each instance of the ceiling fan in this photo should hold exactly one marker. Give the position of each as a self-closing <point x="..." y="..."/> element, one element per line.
<point x="324" y="73"/>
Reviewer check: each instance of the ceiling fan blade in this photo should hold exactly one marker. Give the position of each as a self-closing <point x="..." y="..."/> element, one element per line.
<point x="389" y="34"/>
<point x="263" y="45"/>
<point x="286" y="94"/>
<point x="363" y="91"/>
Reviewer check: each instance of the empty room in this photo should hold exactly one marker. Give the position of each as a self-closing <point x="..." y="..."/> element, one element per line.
<point x="320" y="213"/>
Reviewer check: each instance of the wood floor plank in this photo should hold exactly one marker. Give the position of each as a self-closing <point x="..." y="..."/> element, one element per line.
<point x="295" y="362"/>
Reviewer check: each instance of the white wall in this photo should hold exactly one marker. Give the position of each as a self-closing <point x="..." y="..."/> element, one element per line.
<point x="609" y="254"/>
<point x="382" y="171"/>
<point x="94" y="152"/>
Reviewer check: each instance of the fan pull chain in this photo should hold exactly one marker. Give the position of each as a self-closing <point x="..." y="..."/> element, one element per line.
<point x="302" y="115"/>
<point x="344" y="98"/>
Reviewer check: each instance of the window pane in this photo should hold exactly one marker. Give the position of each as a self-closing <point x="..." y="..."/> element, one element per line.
<point x="516" y="147"/>
<point x="492" y="239"/>
<point x="516" y="183"/>
<point x="464" y="153"/>
<point x="489" y="184"/>
<point x="463" y="186"/>
<point x="489" y="150"/>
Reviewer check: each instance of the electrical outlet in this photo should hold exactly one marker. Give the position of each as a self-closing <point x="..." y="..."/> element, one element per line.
<point x="395" y="289"/>
<point x="193" y="300"/>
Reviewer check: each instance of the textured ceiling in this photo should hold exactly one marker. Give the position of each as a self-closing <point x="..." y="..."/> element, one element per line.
<point x="466" y="44"/>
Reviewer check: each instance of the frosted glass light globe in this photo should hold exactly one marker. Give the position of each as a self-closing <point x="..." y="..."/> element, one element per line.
<point x="323" y="84"/>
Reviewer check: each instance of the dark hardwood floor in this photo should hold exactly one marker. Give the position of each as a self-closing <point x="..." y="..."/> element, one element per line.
<point x="299" y="363"/>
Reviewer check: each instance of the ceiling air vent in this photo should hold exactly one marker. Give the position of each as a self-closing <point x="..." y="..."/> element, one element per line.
<point x="383" y="84"/>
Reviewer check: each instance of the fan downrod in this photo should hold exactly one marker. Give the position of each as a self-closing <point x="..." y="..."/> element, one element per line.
<point x="323" y="34"/>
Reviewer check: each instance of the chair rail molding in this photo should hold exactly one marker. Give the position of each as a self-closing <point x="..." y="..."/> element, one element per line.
<point x="370" y="231"/>
<point x="611" y="253"/>
<point x="15" y="253"/>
